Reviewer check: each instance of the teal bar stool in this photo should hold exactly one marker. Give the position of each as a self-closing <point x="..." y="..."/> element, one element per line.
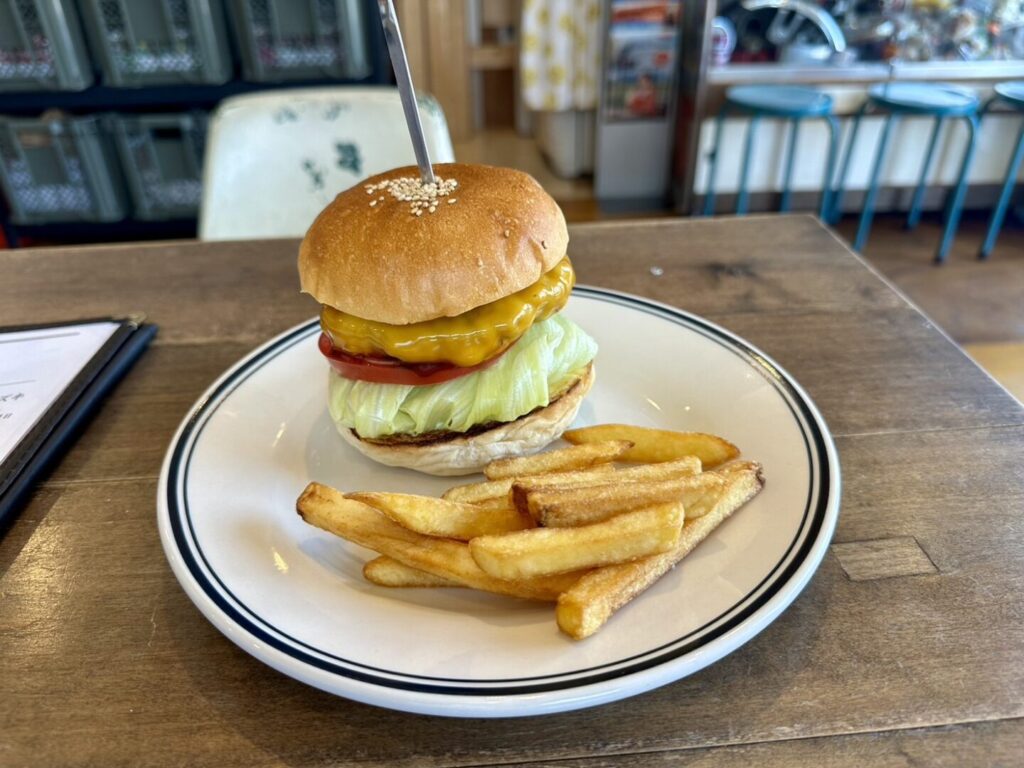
<point x="896" y="100"/>
<point x="1011" y="95"/>
<point x="780" y="102"/>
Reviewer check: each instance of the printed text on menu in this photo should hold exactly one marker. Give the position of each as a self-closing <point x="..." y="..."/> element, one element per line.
<point x="36" y="367"/>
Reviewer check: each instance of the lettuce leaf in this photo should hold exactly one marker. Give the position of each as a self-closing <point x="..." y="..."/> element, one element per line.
<point x="542" y="362"/>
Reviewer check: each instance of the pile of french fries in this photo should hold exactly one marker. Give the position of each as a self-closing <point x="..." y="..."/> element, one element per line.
<point x="570" y="526"/>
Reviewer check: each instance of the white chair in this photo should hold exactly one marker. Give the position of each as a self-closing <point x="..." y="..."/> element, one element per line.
<point x="275" y="159"/>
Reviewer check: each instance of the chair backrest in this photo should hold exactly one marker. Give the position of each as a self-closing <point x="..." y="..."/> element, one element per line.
<point x="275" y="159"/>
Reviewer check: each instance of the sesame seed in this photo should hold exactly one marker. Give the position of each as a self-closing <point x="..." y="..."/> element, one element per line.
<point x="408" y="189"/>
<point x="453" y="200"/>
<point x="373" y="203"/>
<point x="506" y="233"/>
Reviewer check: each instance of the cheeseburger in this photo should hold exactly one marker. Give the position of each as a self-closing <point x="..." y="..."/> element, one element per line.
<point x="440" y="317"/>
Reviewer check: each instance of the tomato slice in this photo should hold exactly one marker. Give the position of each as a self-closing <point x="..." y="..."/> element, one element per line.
<point x="390" y="370"/>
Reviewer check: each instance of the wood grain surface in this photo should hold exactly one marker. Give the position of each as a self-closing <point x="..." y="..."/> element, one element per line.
<point x="105" y="662"/>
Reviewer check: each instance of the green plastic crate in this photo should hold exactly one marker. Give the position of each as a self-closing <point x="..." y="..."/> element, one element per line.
<point x="60" y="170"/>
<point x="162" y="159"/>
<point x="41" y="47"/>
<point x="302" y="39"/>
<point x="158" y="42"/>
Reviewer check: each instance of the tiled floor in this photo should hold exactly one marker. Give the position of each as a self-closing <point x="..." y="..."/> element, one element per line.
<point x="1005" y="361"/>
<point x="506" y="147"/>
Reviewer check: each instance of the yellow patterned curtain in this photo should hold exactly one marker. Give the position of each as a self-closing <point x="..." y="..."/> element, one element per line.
<point x="560" y="54"/>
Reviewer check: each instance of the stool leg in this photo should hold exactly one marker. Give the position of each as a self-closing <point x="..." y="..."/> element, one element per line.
<point x="709" y="194"/>
<point x="957" y="204"/>
<point x="794" y="137"/>
<point x="830" y="161"/>
<point x="914" y="217"/>
<point x="868" y="213"/>
<point x="837" y="195"/>
<point x="999" y="213"/>
<point x="748" y="150"/>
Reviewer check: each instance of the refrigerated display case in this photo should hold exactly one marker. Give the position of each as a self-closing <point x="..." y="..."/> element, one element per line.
<point x="637" y="100"/>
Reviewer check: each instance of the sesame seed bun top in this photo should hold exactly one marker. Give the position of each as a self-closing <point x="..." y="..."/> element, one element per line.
<point x="388" y="250"/>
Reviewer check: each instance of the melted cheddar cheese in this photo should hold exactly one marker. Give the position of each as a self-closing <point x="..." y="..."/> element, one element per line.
<point x="465" y="340"/>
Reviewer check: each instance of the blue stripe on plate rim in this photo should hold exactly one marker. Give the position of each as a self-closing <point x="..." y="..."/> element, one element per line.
<point x="817" y="525"/>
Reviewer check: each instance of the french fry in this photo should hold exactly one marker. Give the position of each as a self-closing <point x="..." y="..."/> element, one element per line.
<point x="385" y="572"/>
<point x="503" y="502"/>
<point x="654" y="445"/>
<point x="475" y="493"/>
<point x="588" y="604"/>
<point x="726" y="472"/>
<point x="438" y="517"/>
<point x="326" y="508"/>
<point x="608" y="534"/>
<point x="568" y="507"/>
<point x="572" y="458"/>
<point x="581" y="479"/>
<point x="684" y="466"/>
<point x="689" y="465"/>
<point x="547" y="551"/>
<point x="489" y="490"/>
<point x="738" y="466"/>
<point x="706" y="501"/>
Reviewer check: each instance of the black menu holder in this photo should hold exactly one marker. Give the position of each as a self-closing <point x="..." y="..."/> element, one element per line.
<point x="56" y="429"/>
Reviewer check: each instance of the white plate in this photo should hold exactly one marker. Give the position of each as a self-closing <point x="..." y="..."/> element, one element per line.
<point x="294" y="597"/>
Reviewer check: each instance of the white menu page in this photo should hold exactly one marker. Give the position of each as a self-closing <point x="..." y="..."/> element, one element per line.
<point x="36" y="367"/>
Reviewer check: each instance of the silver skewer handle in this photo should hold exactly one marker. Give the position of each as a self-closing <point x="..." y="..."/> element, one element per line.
<point x="399" y="62"/>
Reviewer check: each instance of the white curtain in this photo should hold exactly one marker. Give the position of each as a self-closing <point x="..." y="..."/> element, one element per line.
<point x="560" y="54"/>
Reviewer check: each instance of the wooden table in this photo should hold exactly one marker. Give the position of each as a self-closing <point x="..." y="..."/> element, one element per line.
<point x="907" y="648"/>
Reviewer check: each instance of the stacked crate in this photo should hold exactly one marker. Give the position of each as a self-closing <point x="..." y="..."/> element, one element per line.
<point x="159" y="42"/>
<point x="59" y="170"/>
<point x="61" y="166"/>
<point x="41" y="47"/>
<point x="163" y="160"/>
<point x="285" y="40"/>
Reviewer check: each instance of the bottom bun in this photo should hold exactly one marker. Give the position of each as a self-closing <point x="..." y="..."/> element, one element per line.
<point x="466" y="455"/>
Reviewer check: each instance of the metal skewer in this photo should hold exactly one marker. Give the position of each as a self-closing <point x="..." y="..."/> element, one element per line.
<point x="399" y="62"/>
